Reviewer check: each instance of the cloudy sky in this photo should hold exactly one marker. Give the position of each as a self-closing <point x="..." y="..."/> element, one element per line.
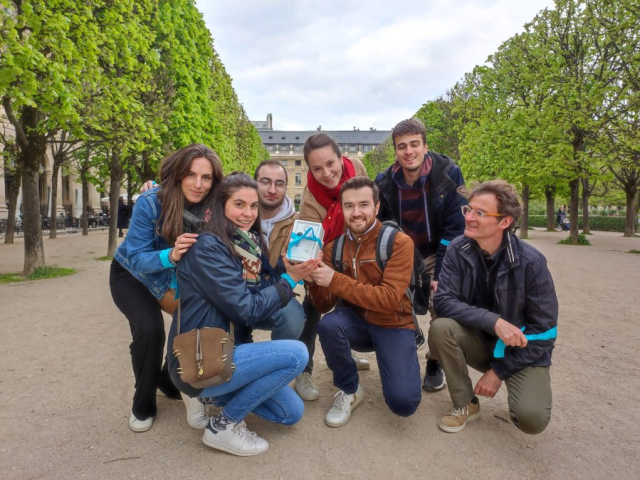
<point x="350" y="63"/>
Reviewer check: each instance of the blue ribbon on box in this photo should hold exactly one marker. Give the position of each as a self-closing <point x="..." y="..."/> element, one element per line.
<point x="297" y="238"/>
<point x="498" y="352"/>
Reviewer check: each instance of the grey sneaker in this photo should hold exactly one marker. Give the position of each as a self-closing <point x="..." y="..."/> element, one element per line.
<point x="306" y="388"/>
<point x="361" y="363"/>
<point x="343" y="405"/>
<point x="236" y="439"/>
<point x="434" y="377"/>
<point x="196" y="412"/>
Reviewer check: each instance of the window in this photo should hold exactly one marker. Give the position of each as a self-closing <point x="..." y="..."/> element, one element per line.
<point x="270" y="137"/>
<point x="283" y="138"/>
<point x="351" y="136"/>
<point x="298" y="179"/>
<point x="298" y="163"/>
<point x="366" y="148"/>
<point x="337" y="137"/>
<point x="353" y="148"/>
<point x="297" y="148"/>
<point x="296" y="202"/>
<point x="297" y="138"/>
<point x="284" y="162"/>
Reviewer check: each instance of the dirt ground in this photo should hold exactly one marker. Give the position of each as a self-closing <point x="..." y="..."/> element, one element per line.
<point x="66" y="386"/>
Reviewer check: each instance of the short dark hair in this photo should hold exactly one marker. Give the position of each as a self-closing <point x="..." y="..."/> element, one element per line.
<point x="509" y="203"/>
<point x="410" y="126"/>
<point x="272" y="163"/>
<point x="319" y="140"/>
<point x="358" y="182"/>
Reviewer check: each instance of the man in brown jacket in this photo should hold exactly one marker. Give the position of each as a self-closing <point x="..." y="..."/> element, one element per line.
<point x="374" y="314"/>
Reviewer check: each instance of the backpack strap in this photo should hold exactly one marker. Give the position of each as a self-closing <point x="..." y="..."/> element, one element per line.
<point x="336" y="253"/>
<point x="384" y="244"/>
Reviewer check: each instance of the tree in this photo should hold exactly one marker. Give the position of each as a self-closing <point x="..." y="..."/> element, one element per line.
<point x="14" y="172"/>
<point x="44" y="69"/>
<point x="439" y="119"/>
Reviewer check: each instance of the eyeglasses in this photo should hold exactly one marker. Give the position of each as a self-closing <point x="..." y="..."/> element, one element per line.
<point x="466" y="210"/>
<point x="266" y="183"/>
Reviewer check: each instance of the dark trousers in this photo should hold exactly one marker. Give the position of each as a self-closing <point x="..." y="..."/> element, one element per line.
<point x="343" y="329"/>
<point x="147" y="329"/>
<point x="310" y="331"/>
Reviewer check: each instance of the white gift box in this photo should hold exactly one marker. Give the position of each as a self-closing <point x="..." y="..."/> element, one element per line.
<point x="305" y="242"/>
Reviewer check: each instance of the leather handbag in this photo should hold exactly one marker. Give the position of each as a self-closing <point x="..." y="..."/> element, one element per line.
<point x="205" y="355"/>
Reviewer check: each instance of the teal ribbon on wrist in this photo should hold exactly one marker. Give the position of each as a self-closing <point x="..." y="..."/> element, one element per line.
<point x="289" y="280"/>
<point x="165" y="258"/>
<point x="498" y="352"/>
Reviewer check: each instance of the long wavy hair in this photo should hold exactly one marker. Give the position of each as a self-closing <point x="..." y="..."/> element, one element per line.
<point x="219" y="224"/>
<point x="174" y="168"/>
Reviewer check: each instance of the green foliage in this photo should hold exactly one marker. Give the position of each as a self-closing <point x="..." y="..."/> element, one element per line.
<point x="105" y="258"/>
<point x="376" y="160"/>
<point x="582" y="240"/>
<point x="41" y="273"/>
<point x="438" y="118"/>
<point x="597" y="223"/>
<point x="637" y="252"/>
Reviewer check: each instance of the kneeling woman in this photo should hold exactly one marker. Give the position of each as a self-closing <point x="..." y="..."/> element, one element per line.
<point x="220" y="282"/>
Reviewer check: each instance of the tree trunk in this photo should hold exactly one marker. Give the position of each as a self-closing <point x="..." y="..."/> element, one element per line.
<point x="85" y="203"/>
<point x="114" y="194"/>
<point x="574" y="186"/>
<point x="631" y="204"/>
<point x="12" y="197"/>
<point x="32" y="222"/>
<point x="586" y="193"/>
<point x="524" y="220"/>
<point x="550" y="195"/>
<point x="53" y="230"/>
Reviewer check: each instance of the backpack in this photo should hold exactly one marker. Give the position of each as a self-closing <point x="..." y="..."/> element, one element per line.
<point x="419" y="289"/>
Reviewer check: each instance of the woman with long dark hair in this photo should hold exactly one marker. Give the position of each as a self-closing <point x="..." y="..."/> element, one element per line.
<point x="165" y="224"/>
<point x="221" y="283"/>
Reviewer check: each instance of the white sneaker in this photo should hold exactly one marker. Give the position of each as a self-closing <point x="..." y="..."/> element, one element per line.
<point x="236" y="439"/>
<point x="306" y="388"/>
<point x="196" y="412"/>
<point x="139" y="425"/>
<point x="343" y="405"/>
<point x="361" y="363"/>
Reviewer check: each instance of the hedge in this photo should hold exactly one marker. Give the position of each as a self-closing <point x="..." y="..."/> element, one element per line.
<point x="603" y="224"/>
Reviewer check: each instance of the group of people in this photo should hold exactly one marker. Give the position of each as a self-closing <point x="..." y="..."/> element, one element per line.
<point x="217" y="245"/>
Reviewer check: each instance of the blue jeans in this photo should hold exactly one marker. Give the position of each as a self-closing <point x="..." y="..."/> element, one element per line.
<point x="287" y="324"/>
<point x="260" y="382"/>
<point x="343" y="330"/>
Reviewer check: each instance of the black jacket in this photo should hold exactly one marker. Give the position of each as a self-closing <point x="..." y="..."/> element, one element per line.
<point x="443" y="200"/>
<point x="524" y="295"/>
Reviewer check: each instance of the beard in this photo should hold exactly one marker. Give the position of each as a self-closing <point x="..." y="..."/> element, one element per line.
<point x="360" y="228"/>
<point x="271" y="205"/>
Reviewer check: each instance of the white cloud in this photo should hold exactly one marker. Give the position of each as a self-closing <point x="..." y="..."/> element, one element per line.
<point x="344" y="63"/>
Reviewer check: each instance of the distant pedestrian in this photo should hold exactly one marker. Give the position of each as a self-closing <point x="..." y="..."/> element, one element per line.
<point x="123" y="216"/>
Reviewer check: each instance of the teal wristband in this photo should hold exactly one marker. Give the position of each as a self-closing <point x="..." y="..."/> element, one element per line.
<point x="165" y="258"/>
<point x="289" y="280"/>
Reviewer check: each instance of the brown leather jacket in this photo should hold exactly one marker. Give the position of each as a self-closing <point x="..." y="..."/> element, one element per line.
<point x="279" y="237"/>
<point x="311" y="210"/>
<point x="379" y="297"/>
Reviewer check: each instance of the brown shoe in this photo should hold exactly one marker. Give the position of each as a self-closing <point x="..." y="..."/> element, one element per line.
<point x="457" y="419"/>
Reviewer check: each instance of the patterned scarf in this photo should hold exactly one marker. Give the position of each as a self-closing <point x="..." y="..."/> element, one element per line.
<point x="329" y="198"/>
<point x="246" y="245"/>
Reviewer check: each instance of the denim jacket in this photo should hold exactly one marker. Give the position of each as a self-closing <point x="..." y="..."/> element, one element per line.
<point x="144" y="252"/>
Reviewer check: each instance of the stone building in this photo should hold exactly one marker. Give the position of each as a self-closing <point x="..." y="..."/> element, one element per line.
<point x="69" y="197"/>
<point x="286" y="147"/>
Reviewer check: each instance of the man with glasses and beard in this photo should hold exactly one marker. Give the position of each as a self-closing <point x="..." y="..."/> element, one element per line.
<point x="497" y="312"/>
<point x="277" y="212"/>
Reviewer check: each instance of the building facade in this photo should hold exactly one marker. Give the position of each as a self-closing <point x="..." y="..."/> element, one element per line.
<point x="69" y="195"/>
<point x="286" y="147"/>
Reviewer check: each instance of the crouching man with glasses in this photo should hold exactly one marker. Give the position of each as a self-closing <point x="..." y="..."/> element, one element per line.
<point x="498" y="312"/>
